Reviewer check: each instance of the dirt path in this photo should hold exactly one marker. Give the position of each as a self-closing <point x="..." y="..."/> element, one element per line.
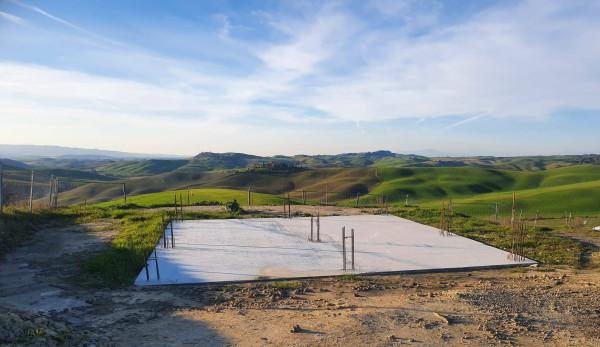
<point x="40" y="303"/>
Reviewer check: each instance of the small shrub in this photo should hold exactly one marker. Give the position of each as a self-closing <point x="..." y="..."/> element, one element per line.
<point x="233" y="206"/>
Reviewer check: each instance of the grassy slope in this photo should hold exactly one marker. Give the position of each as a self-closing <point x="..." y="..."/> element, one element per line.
<point x="347" y="181"/>
<point x="136" y="168"/>
<point x="426" y="184"/>
<point x="579" y="198"/>
<point x="197" y="197"/>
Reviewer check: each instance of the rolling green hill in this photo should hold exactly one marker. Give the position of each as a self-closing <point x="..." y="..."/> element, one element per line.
<point x="426" y="184"/>
<point x="200" y="196"/>
<point x="578" y="198"/>
<point x="338" y="181"/>
<point x="135" y="168"/>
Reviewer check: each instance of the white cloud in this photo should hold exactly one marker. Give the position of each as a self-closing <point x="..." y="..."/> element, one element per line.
<point x="11" y="18"/>
<point x="528" y="60"/>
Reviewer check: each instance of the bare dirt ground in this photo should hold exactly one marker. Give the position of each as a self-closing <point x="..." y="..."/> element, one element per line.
<point x="41" y="304"/>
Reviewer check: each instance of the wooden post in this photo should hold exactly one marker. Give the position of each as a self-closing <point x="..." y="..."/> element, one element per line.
<point x="31" y="193"/>
<point x="357" y="198"/>
<point x="311" y="228"/>
<point x="344" y="247"/>
<point x="84" y="202"/>
<point x="406" y="201"/>
<point x="1" y="190"/>
<point x="289" y="206"/>
<point x="124" y="194"/>
<point x="326" y="198"/>
<point x="248" y="196"/>
<point x="188" y="193"/>
<point x="303" y="197"/>
<point x="352" y="236"/>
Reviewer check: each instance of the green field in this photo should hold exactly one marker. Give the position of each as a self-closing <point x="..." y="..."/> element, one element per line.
<point x="554" y="191"/>
<point x="579" y="199"/>
<point x="202" y="196"/>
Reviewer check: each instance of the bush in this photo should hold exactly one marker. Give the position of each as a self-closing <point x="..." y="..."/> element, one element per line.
<point x="233" y="206"/>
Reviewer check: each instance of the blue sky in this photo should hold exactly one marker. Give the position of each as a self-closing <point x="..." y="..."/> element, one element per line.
<point x="288" y="77"/>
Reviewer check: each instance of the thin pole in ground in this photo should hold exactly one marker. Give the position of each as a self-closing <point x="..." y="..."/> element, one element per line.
<point x="344" y="247"/>
<point x="311" y="228"/>
<point x="146" y="266"/>
<point x="304" y="197"/>
<point x="175" y="203"/>
<point x="156" y="264"/>
<point x="124" y="194"/>
<point x="496" y="213"/>
<point x="172" y="238"/>
<point x="357" y="199"/>
<point x="31" y="193"/>
<point x="50" y="191"/>
<point x="326" y="197"/>
<point x="352" y="236"/>
<point x="56" y="193"/>
<point x="181" y="205"/>
<point x="318" y="227"/>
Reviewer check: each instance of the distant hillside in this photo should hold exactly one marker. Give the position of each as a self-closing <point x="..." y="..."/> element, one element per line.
<point x="208" y="161"/>
<point x="135" y="168"/>
<point x="36" y="151"/>
<point x="12" y="164"/>
<point x="344" y="182"/>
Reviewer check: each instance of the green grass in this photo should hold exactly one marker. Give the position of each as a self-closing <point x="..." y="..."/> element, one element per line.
<point x="477" y="190"/>
<point x="135" y="168"/>
<point x="426" y="184"/>
<point x="579" y="199"/>
<point x="540" y="245"/>
<point x="202" y="196"/>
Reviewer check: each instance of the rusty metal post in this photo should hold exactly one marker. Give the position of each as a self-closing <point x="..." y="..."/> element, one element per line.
<point x="344" y="247"/>
<point x="172" y="238"/>
<point x="318" y="227"/>
<point x="352" y="236"/>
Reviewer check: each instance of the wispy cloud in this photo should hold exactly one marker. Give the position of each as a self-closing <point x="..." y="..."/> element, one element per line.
<point x="64" y="22"/>
<point x="321" y="64"/>
<point x="11" y="18"/>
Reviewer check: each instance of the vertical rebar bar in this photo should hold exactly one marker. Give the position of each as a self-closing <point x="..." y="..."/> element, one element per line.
<point x="172" y="238"/>
<point x="156" y="264"/>
<point x="352" y="235"/>
<point x="146" y="266"/>
<point x="344" y="247"/>
<point x="31" y="193"/>
<point x="318" y="227"/>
